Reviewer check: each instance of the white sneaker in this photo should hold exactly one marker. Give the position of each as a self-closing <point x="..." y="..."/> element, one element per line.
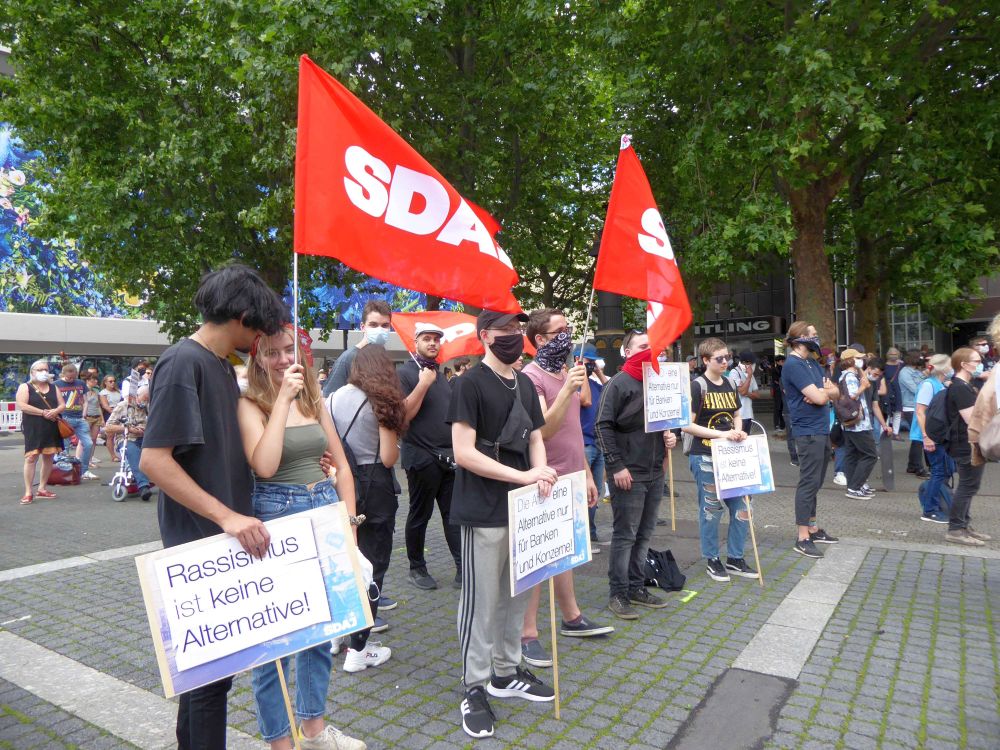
<point x="90" y="475"/>
<point x="338" y="644"/>
<point x="373" y="655"/>
<point x="330" y="738"/>
<point x="840" y="478"/>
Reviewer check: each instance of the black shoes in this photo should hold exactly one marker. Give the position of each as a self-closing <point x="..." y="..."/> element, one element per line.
<point x="477" y="716"/>
<point x="420" y="578"/>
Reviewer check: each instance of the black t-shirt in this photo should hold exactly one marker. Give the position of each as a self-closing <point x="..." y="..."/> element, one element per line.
<point x="960" y="396"/>
<point x="429" y="432"/>
<point x="712" y="409"/>
<point x="192" y="409"/>
<point x="480" y="399"/>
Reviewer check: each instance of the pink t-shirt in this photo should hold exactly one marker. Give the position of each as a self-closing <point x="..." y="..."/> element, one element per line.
<point x="563" y="451"/>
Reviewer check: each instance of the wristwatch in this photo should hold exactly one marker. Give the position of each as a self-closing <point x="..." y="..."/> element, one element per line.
<point x="358" y="519"/>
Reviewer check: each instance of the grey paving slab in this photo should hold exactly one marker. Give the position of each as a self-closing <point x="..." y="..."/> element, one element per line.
<point x="802" y="614"/>
<point x="812" y="589"/>
<point x="778" y="650"/>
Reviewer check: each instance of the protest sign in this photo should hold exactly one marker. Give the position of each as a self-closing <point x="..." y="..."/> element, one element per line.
<point x="215" y="610"/>
<point x="666" y="396"/>
<point x="548" y="535"/>
<point x="742" y="468"/>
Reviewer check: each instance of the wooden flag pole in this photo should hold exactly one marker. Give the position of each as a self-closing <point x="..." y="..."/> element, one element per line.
<point x="295" y="307"/>
<point x="586" y="326"/>
<point x="670" y="474"/>
<point x="753" y="540"/>
<point x="288" y="704"/>
<point x="555" y="647"/>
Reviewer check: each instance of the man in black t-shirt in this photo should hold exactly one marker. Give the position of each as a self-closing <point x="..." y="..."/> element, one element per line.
<point x="193" y="452"/>
<point x="426" y="453"/>
<point x="484" y="400"/>
<point x="960" y="400"/>
<point x="715" y="409"/>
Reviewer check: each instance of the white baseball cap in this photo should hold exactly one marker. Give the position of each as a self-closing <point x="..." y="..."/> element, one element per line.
<point x="422" y="328"/>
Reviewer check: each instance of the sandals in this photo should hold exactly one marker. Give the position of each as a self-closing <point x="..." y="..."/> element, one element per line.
<point x="27" y="500"/>
<point x="46" y="494"/>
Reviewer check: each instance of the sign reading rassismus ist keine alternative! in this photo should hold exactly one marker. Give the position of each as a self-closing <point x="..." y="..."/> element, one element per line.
<point x="742" y="468"/>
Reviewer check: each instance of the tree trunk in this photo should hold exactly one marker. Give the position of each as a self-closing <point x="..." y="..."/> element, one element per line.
<point x="864" y="293"/>
<point x="433" y="303"/>
<point x="884" y="326"/>
<point x="813" y="282"/>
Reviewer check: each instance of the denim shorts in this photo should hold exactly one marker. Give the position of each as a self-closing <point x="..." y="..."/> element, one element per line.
<point x="273" y="500"/>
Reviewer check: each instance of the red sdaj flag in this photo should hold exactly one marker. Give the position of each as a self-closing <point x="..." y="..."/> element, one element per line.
<point x="459" y="340"/>
<point x="363" y="195"/>
<point x="636" y="258"/>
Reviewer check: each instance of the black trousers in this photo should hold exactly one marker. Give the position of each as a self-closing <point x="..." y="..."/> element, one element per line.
<point x="814" y="456"/>
<point x="860" y="459"/>
<point x="969" y="479"/>
<point x="915" y="458"/>
<point x="779" y="408"/>
<point x="201" y="717"/>
<point x="377" y="500"/>
<point x="428" y="484"/>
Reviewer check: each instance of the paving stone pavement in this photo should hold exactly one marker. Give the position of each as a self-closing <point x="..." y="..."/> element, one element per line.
<point x="909" y="657"/>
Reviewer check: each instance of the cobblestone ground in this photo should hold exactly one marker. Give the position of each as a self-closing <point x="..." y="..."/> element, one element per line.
<point x="910" y="659"/>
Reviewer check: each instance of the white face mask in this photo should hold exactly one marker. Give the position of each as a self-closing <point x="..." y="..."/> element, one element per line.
<point x="983" y="349"/>
<point x="599" y="363"/>
<point x="41" y="376"/>
<point x="859" y="363"/>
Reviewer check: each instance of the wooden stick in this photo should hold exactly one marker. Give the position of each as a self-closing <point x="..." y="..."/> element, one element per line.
<point x="288" y="704"/>
<point x="753" y="540"/>
<point x="555" y="647"/>
<point x="670" y="472"/>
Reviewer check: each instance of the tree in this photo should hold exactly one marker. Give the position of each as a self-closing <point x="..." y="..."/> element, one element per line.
<point x="767" y="108"/>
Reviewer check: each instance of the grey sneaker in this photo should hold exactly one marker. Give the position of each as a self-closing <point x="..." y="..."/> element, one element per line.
<point x="962" y="536"/>
<point x="977" y="534"/>
<point x="645" y="599"/>
<point x="620" y="606"/>
<point x="330" y="738"/>
<point x="807" y="548"/>
<point x="420" y="578"/>
<point x="533" y="653"/>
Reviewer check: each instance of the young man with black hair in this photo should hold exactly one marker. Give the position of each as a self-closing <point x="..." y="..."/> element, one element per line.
<point x="376" y="319"/>
<point x="489" y="402"/>
<point x="634" y="460"/>
<point x="193" y="451"/>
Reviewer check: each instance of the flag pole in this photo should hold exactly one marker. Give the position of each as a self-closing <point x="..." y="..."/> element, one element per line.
<point x="586" y="326"/>
<point x="295" y="303"/>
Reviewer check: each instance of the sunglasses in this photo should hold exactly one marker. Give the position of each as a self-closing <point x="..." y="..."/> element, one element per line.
<point x="722" y="360"/>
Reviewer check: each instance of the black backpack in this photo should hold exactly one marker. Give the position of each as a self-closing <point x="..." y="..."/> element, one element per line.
<point x="937" y="420"/>
<point x="661" y="570"/>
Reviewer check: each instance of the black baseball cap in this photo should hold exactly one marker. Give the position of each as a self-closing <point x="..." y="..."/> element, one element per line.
<point x="493" y="319"/>
<point x="748" y="356"/>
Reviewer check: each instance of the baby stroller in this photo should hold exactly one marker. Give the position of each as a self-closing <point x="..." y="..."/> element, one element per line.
<point x="123" y="482"/>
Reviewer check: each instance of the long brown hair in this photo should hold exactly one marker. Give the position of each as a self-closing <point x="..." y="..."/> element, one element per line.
<point x="373" y="372"/>
<point x="261" y="389"/>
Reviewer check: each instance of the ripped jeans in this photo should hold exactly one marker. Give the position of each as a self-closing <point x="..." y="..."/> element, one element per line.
<point x="711" y="509"/>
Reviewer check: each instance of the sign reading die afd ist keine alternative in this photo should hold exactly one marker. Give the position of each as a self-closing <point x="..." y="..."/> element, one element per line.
<point x="666" y="396"/>
<point x="548" y="535"/>
<point x="215" y="610"/>
<point x="742" y="468"/>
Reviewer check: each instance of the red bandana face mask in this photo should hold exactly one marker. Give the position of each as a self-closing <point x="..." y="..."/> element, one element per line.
<point x="633" y="365"/>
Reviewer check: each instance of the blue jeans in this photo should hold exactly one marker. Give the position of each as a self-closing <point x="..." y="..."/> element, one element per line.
<point x="82" y="430"/>
<point x="312" y="666"/>
<point x="595" y="459"/>
<point x="710" y="510"/>
<point x="936" y="496"/>
<point x="839" y="459"/>
<point x="133" y="448"/>
<point x="634" y="513"/>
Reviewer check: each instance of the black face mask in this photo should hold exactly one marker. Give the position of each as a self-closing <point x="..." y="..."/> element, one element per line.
<point x="590" y="368"/>
<point x="141" y="371"/>
<point x="811" y="343"/>
<point x="508" y="349"/>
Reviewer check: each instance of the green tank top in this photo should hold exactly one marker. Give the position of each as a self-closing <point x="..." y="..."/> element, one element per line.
<point x="300" y="454"/>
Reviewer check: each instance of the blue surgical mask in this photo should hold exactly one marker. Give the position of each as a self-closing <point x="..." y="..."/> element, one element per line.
<point x="378" y="336"/>
<point x="978" y="371"/>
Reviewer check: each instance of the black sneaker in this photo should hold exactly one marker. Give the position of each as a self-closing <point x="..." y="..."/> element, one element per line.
<point x="737" y="566"/>
<point x="716" y="570"/>
<point x="621" y="607"/>
<point x="856" y="495"/>
<point x="420" y="578"/>
<point x="521" y="684"/>
<point x="821" y="537"/>
<point x="477" y="716"/>
<point x="584" y="629"/>
<point x="645" y="599"/>
<point x="146" y="494"/>
<point x="533" y="653"/>
<point x="807" y="548"/>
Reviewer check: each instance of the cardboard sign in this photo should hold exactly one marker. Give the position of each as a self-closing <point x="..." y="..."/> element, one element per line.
<point x="666" y="396"/>
<point x="215" y="610"/>
<point x="742" y="468"/>
<point x="548" y="535"/>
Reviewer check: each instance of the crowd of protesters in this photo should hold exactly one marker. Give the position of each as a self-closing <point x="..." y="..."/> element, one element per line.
<point x="231" y="448"/>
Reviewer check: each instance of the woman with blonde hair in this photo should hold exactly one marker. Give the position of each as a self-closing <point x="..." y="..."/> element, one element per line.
<point x="285" y="432"/>
<point x="40" y="404"/>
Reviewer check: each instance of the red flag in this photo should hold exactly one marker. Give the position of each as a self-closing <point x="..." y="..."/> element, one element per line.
<point x="365" y="196"/>
<point x="459" y="340"/>
<point x="636" y="259"/>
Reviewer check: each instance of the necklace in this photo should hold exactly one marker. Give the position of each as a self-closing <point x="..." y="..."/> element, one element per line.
<point x="200" y="342"/>
<point x="508" y="387"/>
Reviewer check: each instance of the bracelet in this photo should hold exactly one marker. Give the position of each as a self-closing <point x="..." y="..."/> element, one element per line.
<point x="358" y="519"/>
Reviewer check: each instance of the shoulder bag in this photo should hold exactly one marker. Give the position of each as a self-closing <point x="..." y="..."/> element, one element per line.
<point x="65" y="430"/>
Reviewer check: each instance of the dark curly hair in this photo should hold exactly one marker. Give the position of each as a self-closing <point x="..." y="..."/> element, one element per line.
<point x="374" y="373"/>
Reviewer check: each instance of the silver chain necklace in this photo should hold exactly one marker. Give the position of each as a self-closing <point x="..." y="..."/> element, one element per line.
<point x="508" y="387"/>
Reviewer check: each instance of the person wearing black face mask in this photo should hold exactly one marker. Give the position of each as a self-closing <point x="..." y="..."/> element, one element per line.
<point x="496" y="422"/>
<point x="808" y="393"/>
<point x="138" y="366"/>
